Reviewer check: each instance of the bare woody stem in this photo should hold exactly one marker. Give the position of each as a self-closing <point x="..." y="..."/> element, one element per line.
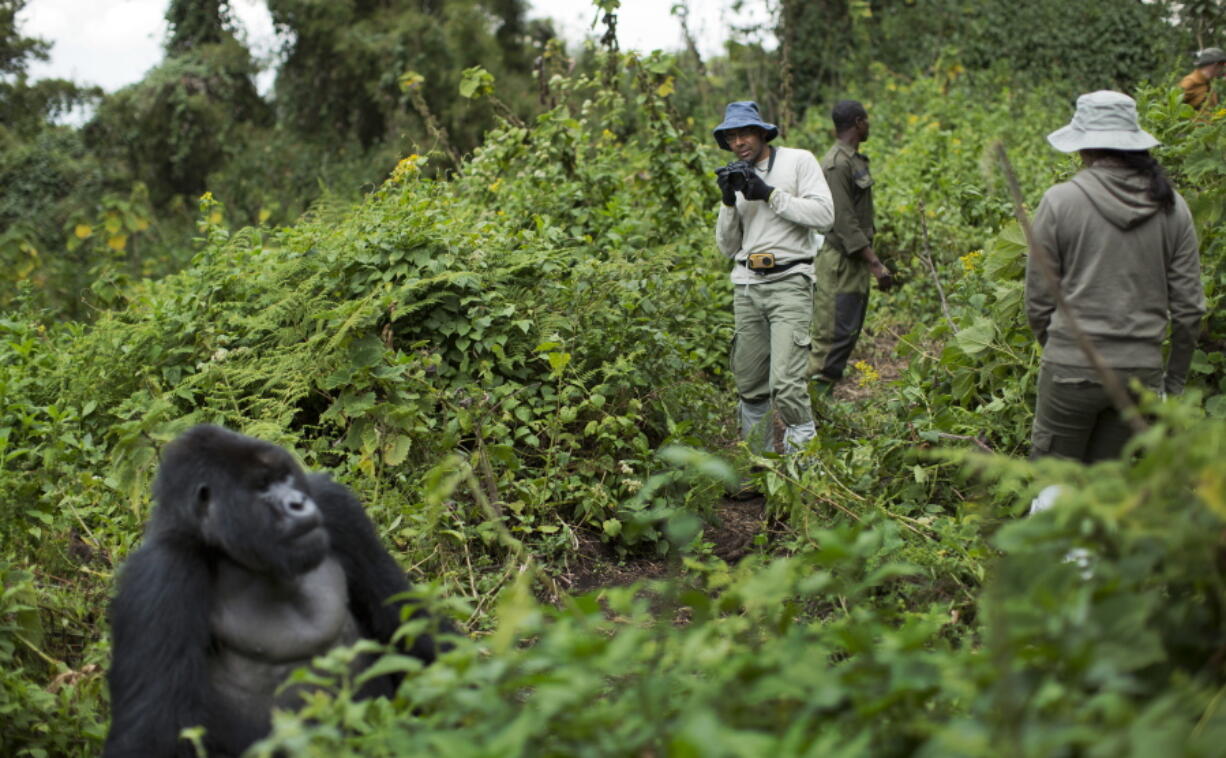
<point x="1119" y="395"/>
<point x="926" y="254"/>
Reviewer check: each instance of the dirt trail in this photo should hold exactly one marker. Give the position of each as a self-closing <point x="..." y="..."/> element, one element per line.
<point x="596" y="564"/>
<point x="877" y="348"/>
<point x="736" y="522"/>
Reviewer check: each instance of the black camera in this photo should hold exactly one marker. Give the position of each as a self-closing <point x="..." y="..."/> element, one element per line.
<point x="737" y="173"/>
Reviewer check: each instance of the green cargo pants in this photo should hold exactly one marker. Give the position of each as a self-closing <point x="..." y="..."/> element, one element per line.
<point x="770" y="348"/>
<point x="1074" y="417"/>
<point x="840" y="302"/>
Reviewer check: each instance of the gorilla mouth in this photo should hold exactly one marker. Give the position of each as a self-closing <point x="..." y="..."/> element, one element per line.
<point x="303" y="528"/>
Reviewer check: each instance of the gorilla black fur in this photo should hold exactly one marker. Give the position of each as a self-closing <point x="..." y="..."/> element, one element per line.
<point x="249" y="568"/>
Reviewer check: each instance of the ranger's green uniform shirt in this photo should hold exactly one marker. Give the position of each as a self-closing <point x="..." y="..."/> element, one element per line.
<point x="851" y="184"/>
<point x="840" y="293"/>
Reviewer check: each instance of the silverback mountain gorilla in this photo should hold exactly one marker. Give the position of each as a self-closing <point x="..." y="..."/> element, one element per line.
<point x="250" y="567"/>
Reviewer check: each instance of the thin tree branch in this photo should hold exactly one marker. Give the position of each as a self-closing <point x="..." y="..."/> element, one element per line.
<point x="926" y="256"/>
<point x="967" y="438"/>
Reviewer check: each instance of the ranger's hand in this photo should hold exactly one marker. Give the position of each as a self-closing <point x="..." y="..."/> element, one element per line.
<point x="756" y="189"/>
<point x="885" y="280"/>
<point x="728" y="195"/>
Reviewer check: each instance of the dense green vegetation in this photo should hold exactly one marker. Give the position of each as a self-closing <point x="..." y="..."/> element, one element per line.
<point x="517" y="359"/>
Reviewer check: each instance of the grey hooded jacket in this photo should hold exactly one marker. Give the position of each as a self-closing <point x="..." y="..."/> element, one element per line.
<point x="1126" y="268"/>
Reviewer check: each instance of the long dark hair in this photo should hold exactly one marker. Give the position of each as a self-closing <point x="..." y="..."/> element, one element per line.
<point x="1140" y="161"/>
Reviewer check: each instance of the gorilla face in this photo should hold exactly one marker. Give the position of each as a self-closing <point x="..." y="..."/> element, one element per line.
<point x="245" y="498"/>
<point x="276" y="530"/>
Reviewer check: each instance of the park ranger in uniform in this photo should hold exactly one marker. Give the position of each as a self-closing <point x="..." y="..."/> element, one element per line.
<point x="846" y="262"/>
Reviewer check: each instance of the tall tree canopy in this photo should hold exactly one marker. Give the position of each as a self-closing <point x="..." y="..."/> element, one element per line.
<point x="1084" y="46"/>
<point x="26" y="107"/>
<point x="344" y="62"/>
<point x="180" y="122"/>
<point x="196" y="22"/>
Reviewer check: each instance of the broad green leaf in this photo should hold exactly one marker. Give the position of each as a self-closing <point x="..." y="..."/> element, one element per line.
<point x="397" y="450"/>
<point x="977" y="337"/>
<point x="558" y="361"/>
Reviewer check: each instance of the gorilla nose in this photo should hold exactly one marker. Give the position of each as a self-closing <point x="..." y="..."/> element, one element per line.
<point x="296" y="507"/>
<point x="301" y="516"/>
<point x="301" y="505"/>
<point x="300" y="508"/>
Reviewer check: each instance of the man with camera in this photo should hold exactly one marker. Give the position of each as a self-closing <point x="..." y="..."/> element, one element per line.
<point x="846" y="264"/>
<point x="774" y="199"/>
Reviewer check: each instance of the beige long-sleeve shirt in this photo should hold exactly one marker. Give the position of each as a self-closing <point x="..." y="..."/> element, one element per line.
<point x="785" y="225"/>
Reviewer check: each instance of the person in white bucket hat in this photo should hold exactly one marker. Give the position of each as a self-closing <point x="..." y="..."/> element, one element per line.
<point x="1125" y="249"/>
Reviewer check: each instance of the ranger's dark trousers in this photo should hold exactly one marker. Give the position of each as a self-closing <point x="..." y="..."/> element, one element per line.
<point x="840" y="302"/>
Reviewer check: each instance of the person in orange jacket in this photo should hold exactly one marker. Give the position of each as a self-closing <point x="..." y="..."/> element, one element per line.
<point x="1210" y="64"/>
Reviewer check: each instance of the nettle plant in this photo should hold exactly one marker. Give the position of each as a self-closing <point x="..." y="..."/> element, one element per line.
<point x="534" y="313"/>
<point x="1097" y="630"/>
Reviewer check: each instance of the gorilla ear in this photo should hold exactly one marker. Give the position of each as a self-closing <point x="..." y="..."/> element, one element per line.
<point x="201" y="506"/>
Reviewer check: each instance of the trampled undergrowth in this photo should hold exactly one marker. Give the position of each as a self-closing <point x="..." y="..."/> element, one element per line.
<point x="529" y="355"/>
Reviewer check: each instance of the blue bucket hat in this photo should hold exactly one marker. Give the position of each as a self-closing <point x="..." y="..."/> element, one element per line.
<point x="739" y="115"/>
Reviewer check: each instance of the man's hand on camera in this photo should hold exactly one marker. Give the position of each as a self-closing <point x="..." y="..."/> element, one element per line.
<point x="755" y="188"/>
<point x="728" y="195"/>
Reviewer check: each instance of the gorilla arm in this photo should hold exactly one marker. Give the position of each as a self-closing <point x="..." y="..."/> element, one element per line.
<point x="160" y="636"/>
<point x="372" y="574"/>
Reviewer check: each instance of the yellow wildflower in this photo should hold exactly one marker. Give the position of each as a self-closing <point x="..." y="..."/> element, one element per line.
<point x="406" y="168"/>
<point x="971" y="260"/>
<point x="865" y="373"/>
